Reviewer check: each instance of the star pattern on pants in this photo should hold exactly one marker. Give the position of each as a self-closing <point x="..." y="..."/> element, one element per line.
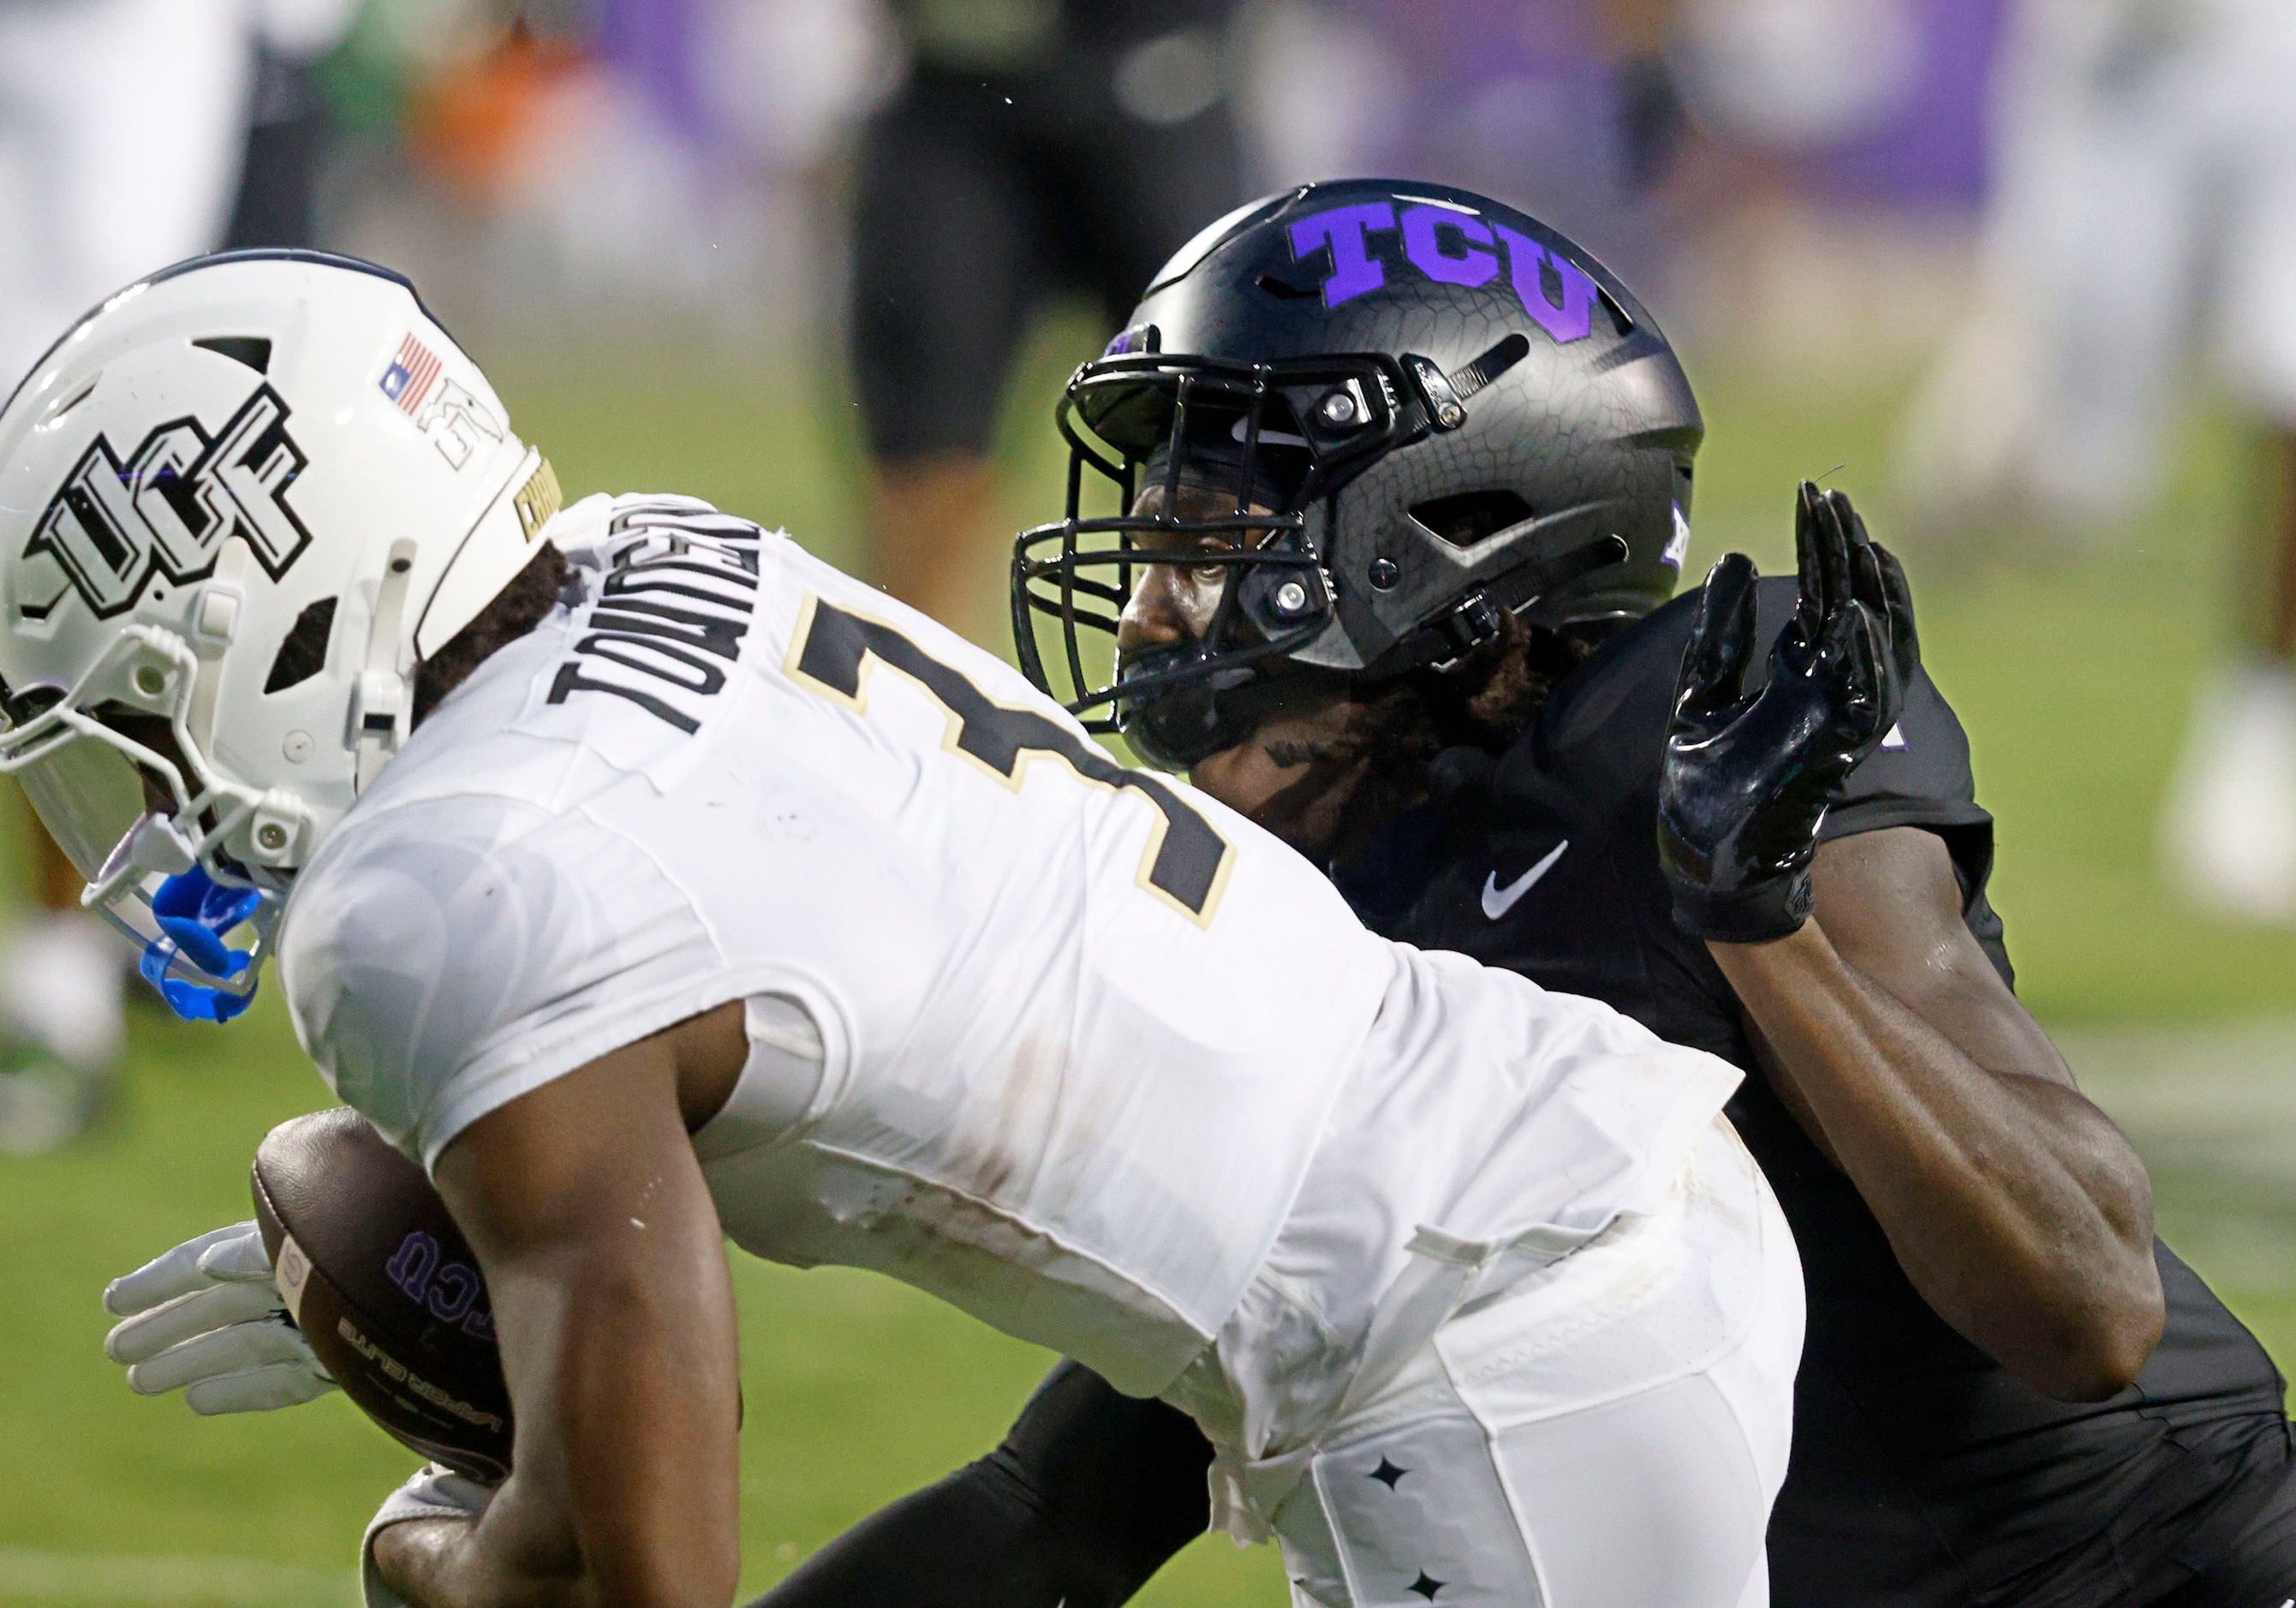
<point x="1427" y="1586"/>
<point x="1387" y="1473"/>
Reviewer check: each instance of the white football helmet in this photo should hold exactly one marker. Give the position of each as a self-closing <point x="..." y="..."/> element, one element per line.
<point x="246" y="497"/>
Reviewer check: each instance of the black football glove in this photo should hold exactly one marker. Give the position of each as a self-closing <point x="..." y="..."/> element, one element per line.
<point x="1747" y="778"/>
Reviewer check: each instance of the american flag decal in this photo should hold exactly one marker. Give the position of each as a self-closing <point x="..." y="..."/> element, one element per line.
<point x="409" y="378"/>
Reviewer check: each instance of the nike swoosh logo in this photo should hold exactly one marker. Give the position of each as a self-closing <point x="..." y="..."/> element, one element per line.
<point x="1497" y="900"/>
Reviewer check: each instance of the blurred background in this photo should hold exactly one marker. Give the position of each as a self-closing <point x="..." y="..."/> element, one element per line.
<point x="2020" y="274"/>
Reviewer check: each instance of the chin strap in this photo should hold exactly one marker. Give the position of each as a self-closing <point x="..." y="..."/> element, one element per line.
<point x="382" y="705"/>
<point x="1475" y="620"/>
<point x="214" y="627"/>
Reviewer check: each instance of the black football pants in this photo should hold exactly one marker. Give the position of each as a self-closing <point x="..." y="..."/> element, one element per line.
<point x="2259" y="1569"/>
<point x="1090" y="1494"/>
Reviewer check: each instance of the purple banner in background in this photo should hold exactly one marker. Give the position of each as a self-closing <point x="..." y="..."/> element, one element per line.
<point x="653" y="45"/>
<point x="1933" y="150"/>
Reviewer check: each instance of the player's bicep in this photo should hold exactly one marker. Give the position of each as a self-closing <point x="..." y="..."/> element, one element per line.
<point x="602" y="1253"/>
<point x="1892" y="903"/>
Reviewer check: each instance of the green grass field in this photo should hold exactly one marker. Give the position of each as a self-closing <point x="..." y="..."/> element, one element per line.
<point x="2073" y="683"/>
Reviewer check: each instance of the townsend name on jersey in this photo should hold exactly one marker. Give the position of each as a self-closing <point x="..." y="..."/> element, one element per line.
<point x="668" y="621"/>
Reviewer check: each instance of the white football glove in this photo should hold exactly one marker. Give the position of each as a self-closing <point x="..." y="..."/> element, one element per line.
<point x="434" y="1493"/>
<point x="207" y="1319"/>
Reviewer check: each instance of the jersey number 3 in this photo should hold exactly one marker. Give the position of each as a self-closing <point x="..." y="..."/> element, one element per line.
<point x="1186" y="864"/>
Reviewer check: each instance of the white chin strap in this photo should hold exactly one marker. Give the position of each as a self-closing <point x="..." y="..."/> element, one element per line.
<point x="497" y="547"/>
<point x="490" y="556"/>
<point x="383" y="703"/>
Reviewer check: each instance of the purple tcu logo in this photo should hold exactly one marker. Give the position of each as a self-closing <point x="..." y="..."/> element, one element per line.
<point x="453" y="1292"/>
<point x="1450" y="247"/>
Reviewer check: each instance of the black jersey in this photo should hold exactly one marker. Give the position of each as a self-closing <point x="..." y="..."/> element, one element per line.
<point x="1922" y="1474"/>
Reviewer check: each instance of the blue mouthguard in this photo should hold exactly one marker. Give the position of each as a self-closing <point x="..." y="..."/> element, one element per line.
<point x="195" y="911"/>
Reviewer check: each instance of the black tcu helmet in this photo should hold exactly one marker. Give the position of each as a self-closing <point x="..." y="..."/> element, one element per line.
<point x="1441" y="409"/>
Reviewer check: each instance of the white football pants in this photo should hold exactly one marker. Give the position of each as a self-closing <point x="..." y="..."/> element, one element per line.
<point x="1610" y="1435"/>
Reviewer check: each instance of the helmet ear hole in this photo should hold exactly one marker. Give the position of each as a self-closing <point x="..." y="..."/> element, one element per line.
<point x="1467" y="517"/>
<point x="1283" y="290"/>
<point x="253" y="351"/>
<point x="303" y="653"/>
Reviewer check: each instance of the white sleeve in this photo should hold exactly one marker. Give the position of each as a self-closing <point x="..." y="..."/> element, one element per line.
<point x="441" y="961"/>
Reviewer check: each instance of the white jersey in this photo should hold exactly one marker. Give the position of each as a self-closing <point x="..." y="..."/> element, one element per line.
<point x="1073" y="1047"/>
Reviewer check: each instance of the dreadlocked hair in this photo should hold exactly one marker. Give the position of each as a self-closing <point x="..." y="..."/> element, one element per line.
<point x="1484" y="702"/>
<point x="516" y="610"/>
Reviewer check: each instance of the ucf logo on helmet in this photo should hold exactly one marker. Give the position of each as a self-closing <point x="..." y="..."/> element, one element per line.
<point x="169" y="508"/>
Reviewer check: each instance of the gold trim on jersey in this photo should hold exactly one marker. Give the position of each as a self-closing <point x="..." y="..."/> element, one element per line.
<point x="1171" y="870"/>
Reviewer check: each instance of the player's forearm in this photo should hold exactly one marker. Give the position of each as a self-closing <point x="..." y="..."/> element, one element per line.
<point x="648" y="1401"/>
<point x="602" y="1254"/>
<point x="2015" y="1207"/>
<point x="624" y="1507"/>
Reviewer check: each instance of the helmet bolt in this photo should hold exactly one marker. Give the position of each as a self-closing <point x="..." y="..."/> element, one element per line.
<point x="297" y="746"/>
<point x="1385" y="572"/>
<point x="150" y="680"/>
<point x="1291" y="598"/>
<point x="1338" y="408"/>
<point x="1451" y="413"/>
<point x="271" y="837"/>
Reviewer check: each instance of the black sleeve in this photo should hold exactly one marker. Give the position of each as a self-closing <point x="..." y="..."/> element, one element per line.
<point x="1921" y="777"/>
<point x="1092" y="1492"/>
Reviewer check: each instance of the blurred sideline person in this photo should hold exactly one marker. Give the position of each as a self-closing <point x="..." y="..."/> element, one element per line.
<point x="1567" y="109"/>
<point x="1038" y="147"/>
<point x="276" y="202"/>
<point x="122" y="126"/>
<point x="1464" y="414"/>
<point x="960" y="1000"/>
<point x="101" y="99"/>
<point x="2144" y="218"/>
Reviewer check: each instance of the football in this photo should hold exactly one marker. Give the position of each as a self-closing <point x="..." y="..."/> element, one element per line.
<point x="384" y="1287"/>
